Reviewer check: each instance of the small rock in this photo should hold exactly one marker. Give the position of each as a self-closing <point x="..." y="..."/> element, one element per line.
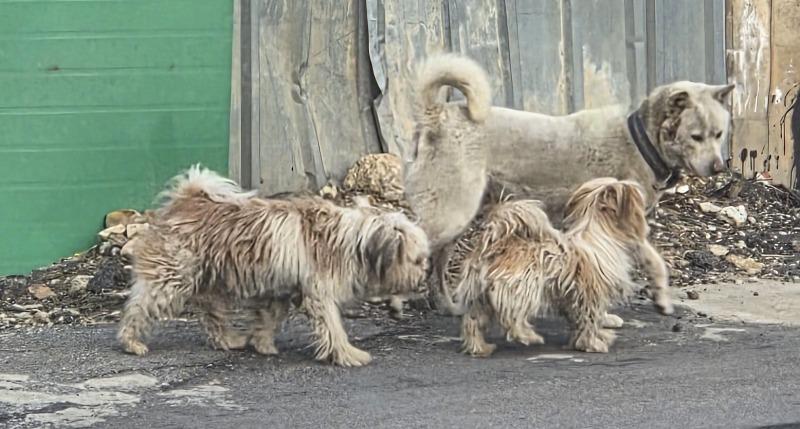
<point x="128" y="248"/>
<point x="122" y="217"/>
<point x="40" y="291"/>
<point x="135" y="228"/>
<point x="741" y="244"/>
<point x="329" y="191"/>
<point x="718" y="250"/>
<point x="707" y="207"/>
<point x="702" y="314"/>
<point x="738" y="282"/>
<point x="736" y="216"/>
<point x="755" y="293"/>
<point x="682" y="189"/>
<point x="692" y="294"/>
<point x="112" y="232"/>
<point x="712" y="228"/>
<point x="677" y="327"/>
<point x="751" y="220"/>
<point x="41" y="317"/>
<point x="748" y="265"/>
<point x="796" y="245"/>
<point x="78" y="284"/>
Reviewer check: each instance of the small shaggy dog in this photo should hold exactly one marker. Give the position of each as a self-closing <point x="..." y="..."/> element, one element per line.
<point x="521" y="267"/>
<point x="216" y="246"/>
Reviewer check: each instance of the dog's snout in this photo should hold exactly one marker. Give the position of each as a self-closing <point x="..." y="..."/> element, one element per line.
<point x="718" y="166"/>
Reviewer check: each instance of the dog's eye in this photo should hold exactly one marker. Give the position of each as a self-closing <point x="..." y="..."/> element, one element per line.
<point x="697" y="137"/>
<point x="719" y="134"/>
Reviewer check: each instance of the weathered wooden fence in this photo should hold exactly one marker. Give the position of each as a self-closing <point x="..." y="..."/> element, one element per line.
<point x="318" y="83"/>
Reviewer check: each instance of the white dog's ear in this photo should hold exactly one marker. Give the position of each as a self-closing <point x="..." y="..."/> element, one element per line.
<point x="722" y="92"/>
<point x="678" y="101"/>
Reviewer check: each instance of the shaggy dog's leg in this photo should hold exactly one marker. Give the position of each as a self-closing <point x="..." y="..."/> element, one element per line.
<point x="659" y="278"/>
<point x="522" y="332"/>
<point x="588" y="334"/>
<point x="148" y="302"/>
<point x="473" y="325"/>
<point x="331" y="339"/>
<point x="216" y="321"/>
<point x="269" y="319"/>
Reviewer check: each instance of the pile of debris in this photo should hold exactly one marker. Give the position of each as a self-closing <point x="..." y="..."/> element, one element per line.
<point x="83" y="289"/>
<point x="726" y="228"/>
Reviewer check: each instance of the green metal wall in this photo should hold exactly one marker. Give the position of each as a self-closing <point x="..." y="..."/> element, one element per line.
<point x="101" y="101"/>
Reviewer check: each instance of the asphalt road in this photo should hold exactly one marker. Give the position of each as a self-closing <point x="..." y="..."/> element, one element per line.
<point x="707" y="375"/>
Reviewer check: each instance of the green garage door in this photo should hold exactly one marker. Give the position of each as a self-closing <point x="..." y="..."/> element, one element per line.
<point x="101" y="101"/>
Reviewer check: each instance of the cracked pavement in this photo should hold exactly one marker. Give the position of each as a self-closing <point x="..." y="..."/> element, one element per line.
<point x="678" y="371"/>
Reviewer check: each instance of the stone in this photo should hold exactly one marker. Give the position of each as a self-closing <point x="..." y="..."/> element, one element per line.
<point x="682" y="189"/>
<point x="78" y="284"/>
<point x="748" y="265"/>
<point x="741" y="244"/>
<point x="42" y="317"/>
<point x="329" y="191"/>
<point x="39" y="291"/>
<point x="738" y="282"/>
<point x="718" y="250"/>
<point x="751" y="220"/>
<point x="134" y="229"/>
<point x="112" y="231"/>
<point x="736" y="216"/>
<point x="692" y="294"/>
<point x="128" y="248"/>
<point x="677" y="327"/>
<point x="707" y="207"/>
<point x="121" y="217"/>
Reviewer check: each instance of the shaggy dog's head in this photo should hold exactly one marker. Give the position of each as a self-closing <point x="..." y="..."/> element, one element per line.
<point x="691" y="122"/>
<point x="616" y="207"/>
<point x="396" y="253"/>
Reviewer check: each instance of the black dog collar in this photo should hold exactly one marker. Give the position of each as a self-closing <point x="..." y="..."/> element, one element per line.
<point x="664" y="175"/>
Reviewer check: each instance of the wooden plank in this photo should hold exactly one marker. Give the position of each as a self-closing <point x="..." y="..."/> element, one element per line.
<point x="748" y="60"/>
<point x="235" y="131"/>
<point x="402" y="34"/>
<point x="599" y="54"/>
<point x="538" y="69"/>
<point x="478" y="28"/>
<point x="310" y="117"/>
<point x="781" y="154"/>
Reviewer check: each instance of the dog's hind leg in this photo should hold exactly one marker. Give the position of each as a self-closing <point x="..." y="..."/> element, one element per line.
<point x="473" y="326"/>
<point x="149" y="301"/>
<point x="659" y="277"/>
<point x="588" y="333"/>
<point x="216" y="320"/>
<point x="269" y="319"/>
<point x="522" y="332"/>
<point x="331" y="338"/>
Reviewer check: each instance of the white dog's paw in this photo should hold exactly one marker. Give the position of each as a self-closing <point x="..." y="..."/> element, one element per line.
<point x="612" y="321"/>
<point x="664" y="306"/>
<point x="350" y="356"/>
<point x="135" y="347"/>
<point x="479" y="350"/>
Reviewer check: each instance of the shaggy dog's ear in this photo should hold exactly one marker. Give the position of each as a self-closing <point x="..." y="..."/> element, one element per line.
<point x="624" y="206"/>
<point x="383" y="249"/>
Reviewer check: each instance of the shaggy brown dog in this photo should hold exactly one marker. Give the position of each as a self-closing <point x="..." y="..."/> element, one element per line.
<point x="214" y="245"/>
<point x="522" y="267"/>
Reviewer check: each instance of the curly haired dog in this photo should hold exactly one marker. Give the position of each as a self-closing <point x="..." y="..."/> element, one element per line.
<point x="216" y="246"/>
<point x="522" y="267"/>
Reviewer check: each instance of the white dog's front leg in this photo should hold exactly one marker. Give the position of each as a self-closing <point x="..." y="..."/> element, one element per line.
<point x="331" y="339"/>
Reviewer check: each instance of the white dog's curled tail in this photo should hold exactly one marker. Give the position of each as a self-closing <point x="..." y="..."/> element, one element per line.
<point x="461" y="73"/>
<point x="200" y="182"/>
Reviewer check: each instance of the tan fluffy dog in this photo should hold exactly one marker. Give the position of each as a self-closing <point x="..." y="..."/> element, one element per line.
<point x="217" y="246"/>
<point x="521" y="267"/>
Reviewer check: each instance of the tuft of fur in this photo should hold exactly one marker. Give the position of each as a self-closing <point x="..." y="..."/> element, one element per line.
<point x="219" y="247"/>
<point x="522" y="267"/>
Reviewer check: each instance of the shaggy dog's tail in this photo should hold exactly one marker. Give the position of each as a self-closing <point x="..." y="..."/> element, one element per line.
<point x="200" y="182"/>
<point x="460" y="72"/>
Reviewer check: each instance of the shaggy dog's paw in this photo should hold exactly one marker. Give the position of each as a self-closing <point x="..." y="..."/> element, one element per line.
<point x="351" y="356"/>
<point x="135" y="347"/>
<point x="526" y="337"/>
<point x="594" y="343"/>
<point x="483" y="350"/>
<point x="229" y="342"/>
<point x="612" y="321"/>
<point x="264" y="346"/>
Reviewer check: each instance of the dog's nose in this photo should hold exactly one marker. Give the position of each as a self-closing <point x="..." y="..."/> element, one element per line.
<point x="718" y="166"/>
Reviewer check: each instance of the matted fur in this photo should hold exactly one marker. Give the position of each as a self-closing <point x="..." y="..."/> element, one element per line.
<point x="521" y="267"/>
<point x="215" y="245"/>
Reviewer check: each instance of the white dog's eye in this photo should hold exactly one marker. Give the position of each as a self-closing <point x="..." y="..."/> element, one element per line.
<point x="697" y="137"/>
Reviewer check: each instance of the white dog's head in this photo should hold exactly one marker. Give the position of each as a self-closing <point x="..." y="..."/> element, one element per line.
<point x="692" y="123"/>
